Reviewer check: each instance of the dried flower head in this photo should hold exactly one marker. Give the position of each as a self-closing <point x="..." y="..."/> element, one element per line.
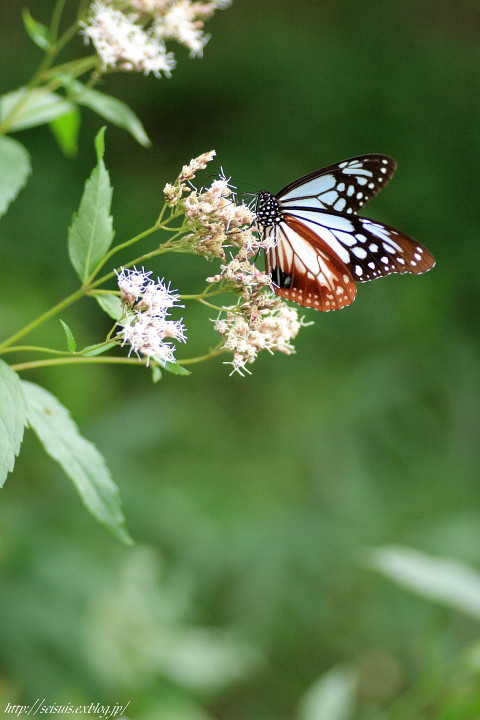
<point x="263" y="323"/>
<point x="145" y="325"/>
<point x="212" y="215"/>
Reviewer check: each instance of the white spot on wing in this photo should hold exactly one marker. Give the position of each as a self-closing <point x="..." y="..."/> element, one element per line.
<point x="329" y="197"/>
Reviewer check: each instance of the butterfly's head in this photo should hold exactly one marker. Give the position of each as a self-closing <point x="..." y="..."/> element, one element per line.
<point x="268" y="209"/>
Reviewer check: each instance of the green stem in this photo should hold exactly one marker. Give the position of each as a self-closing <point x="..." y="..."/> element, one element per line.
<point x="66" y="37"/>
<point x="146" y="256"/>
<point x="113" y="251"/>
<point x="106" y="361"/>
<point x="55" y="21"/>
<point x="165" y="247"/>
<point x="208" y="356"/>
<point x="77" y="68"/>
<point x="75" y="65"/>
<point x="76" y="361"/>
<point x="66" y="302"/>
<point x="89" y="285"/>
<point x="35" y="348"/>
<point x="210" y="305"/>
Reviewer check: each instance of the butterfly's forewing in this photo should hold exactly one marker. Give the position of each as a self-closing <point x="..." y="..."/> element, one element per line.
<point x="344" y="187"/>
<point x="304" y="269"/>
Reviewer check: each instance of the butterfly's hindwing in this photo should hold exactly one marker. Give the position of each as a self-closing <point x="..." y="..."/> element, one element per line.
<point x="370" y="249"/>
<point x="344" y="187"/>
<point x="303" y="269"/>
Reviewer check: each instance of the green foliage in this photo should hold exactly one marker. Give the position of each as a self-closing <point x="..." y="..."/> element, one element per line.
<point x="91" y="231"/>
<point x="65" y="130"/>
<point x="93" y="350"/>
<point x="13" y="418"/>
<point x="37" y="32"/>
<point x="445" y="580"/>
<point x="332" y="697"/>
<point x="71" y="342"/>
<point x="14" y="170"/>
<point x="109" y="108"/>
<point x="176" y="369"/>
<point x="252" y="500"/>
<point x="80" y="460"/>
<point x="31" y="108"/>
<point x="111" y="305"/>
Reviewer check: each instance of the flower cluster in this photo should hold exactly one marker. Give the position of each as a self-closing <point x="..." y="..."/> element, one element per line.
<point x="241" y="274"/>
<point x="131" y="34"/>
<point x="264" y="323"/>
<point x="213" y="221"/>
<point x="145" y="325"/>
<point x="183" y="21"/>
<point x="212" y="215"/>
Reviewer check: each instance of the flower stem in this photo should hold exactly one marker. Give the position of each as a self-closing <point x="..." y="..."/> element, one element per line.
<point x="35" y="348"/>
<point x="200" y="358"/>
<point x="55" y="21"/>
<point x="76" y="361"/>
<point x="146" y="256"/>
<point x="113" y="251"/>
<point x="110" y="360"/>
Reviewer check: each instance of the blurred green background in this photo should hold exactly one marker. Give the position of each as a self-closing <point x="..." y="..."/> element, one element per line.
<point x="253" y="501"/>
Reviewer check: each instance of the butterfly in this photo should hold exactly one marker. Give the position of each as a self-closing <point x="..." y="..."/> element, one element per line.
<point x="317" y="247"/>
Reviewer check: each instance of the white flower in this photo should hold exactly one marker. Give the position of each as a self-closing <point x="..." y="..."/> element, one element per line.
<point x="157" y="298"/>
<point x="182" y="21"/>
<point x="145" y="325"/>
<point x="131" y="34"/>
<point x="123" y="44"/>
<point x="131" y="284"/>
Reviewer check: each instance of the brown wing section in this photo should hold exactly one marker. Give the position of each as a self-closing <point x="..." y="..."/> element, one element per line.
<point x="304" y="269"/>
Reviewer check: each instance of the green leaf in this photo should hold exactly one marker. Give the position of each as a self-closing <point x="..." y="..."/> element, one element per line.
<point x="156" y="373"/>
<point x="444" y="580"/>
<point x="65" y="131"/>
<point x="92" y="350"/>
<point x="36" y="31"/>
<point x="35" y="107"/>
<point x="110" y="304"/>
<point x="332" y="697"/>
<point x="71" y="343"/>
<point x="13" y="418"/>
<point x="108" y="107"/>
<point x="176" y="369"/>
<point x="91" y="233"/>
<point x="14" y="170"/>
<point x="78" y="457"/>
<point x="100" y="144"/>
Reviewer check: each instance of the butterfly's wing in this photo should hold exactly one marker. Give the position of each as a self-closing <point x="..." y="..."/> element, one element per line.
<point x="368" y="248"/>
<point x="318" y="257"/>
<point x="343" y="187"/>
<point x="304" y="269"/>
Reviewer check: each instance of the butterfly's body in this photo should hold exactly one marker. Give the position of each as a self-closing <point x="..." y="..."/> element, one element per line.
<point x="320" y="248"/>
